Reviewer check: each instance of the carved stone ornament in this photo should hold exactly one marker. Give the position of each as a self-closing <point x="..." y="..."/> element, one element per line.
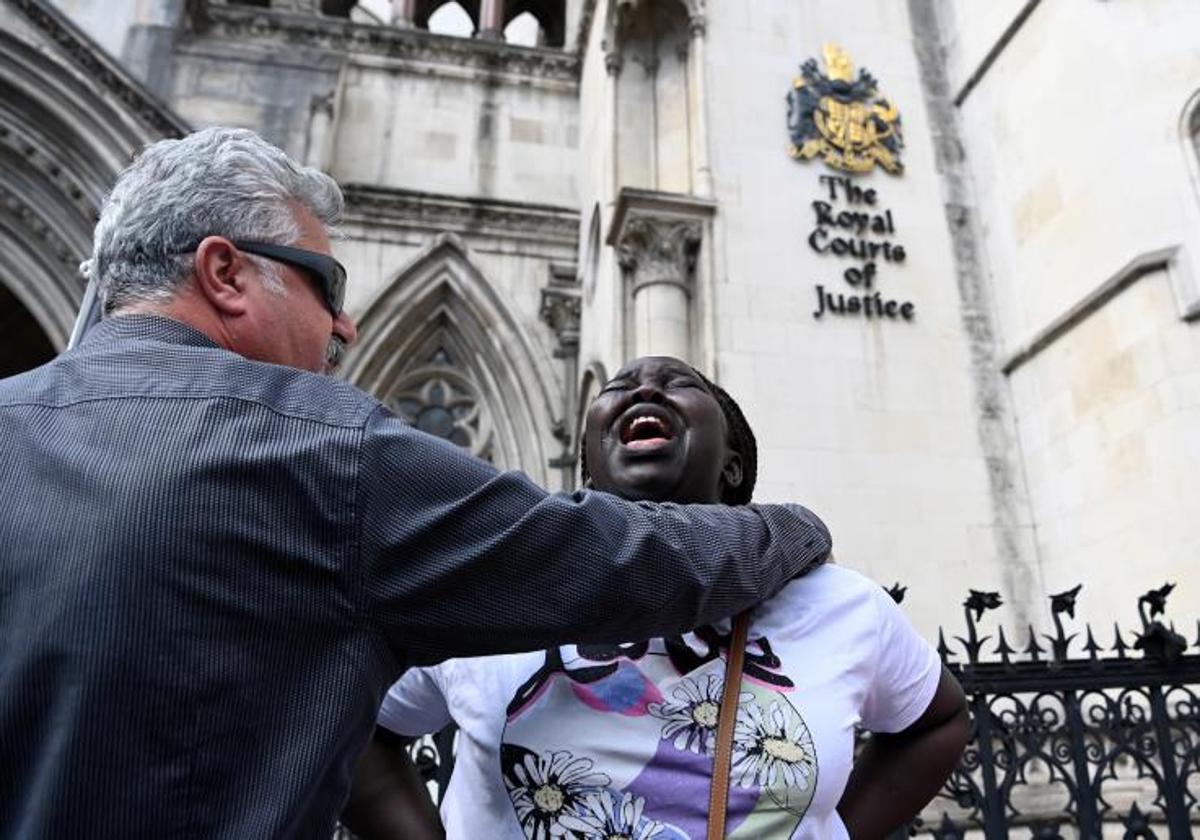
<point x="439" y="212"/>
<point x="653" y="250"/>
<point x="440" y="399"/>
<point x="338" y="35"/>
<point x="561" y="309"/>
<point x="843" y="118"/>
<point x="101" y="69"/>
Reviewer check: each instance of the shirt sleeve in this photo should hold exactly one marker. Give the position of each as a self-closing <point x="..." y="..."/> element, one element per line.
<point x="906" y="674"/>
<point x="458" y="559"/>
<point x="415" y="704"/>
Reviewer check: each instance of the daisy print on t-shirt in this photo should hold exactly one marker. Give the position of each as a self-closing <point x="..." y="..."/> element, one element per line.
<point x="618" y="742"/>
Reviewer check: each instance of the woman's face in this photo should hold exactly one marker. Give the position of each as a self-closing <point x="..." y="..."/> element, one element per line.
<point x="655" y="432"/>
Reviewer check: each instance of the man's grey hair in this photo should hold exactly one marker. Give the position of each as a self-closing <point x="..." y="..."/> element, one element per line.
<point x="218" y="181"/>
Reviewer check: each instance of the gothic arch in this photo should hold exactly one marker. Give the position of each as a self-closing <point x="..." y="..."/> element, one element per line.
<point x="424" y="9"/>
<point x="1189" y="134"/>
<point x="551" y="16"/>
<point x="593" y="379"/>
<point x="63" y="139"/>
<point x="441" y="347"/>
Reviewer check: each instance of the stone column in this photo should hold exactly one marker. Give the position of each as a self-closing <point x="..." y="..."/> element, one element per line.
<point x="561" y="310"/>
<point x="320" y="124"/>
<point x="491" y="20"/>
<point x="702" y="184"/>
<point x="402" y="13"/>
<point x="658" y="256"/>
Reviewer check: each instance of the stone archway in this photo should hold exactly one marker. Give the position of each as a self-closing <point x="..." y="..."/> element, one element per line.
<point x="442" y="348"/>
<point x="70" y="119"/>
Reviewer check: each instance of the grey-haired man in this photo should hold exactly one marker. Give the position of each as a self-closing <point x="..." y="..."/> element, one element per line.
<point x="215" y="560"/>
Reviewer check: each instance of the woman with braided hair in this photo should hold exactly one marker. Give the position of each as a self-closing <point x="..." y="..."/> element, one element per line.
<point x="617" y="741"/>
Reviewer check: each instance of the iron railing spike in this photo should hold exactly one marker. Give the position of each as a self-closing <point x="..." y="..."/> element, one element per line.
<point x="1090" y="647"/>
<point x="1002" y="648"/>
<point x="1118" y="643"/>
<point x="942" y="648"/>
<point x="1033" y="648"/>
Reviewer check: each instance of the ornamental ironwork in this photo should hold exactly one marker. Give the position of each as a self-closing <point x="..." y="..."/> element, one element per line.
<point x="1072" y="738"/>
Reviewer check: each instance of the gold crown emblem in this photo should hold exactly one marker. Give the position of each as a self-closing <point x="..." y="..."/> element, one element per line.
<point x="839" y="67"/>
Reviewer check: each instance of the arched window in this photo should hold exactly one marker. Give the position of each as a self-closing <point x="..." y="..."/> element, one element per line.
<point x="1193" y="127"/>
<point x="524" y="31"/>
<point x="550" y="17"/>
<point x="451" y="19"/>
<point x="442" y="348"/>
<point x="440" y="397"/>
<point x="337" y="8"/>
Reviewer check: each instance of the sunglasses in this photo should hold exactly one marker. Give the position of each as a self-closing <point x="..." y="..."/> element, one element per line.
<point x="329" y="273"/>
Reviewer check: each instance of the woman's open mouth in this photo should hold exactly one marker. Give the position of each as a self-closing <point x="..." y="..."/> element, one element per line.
<point x="645" y="428"/>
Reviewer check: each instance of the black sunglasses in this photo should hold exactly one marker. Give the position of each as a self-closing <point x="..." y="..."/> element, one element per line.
<point x="330" y="274"/>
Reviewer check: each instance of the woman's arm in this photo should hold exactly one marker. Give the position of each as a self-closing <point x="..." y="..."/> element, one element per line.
<point x="388" y="799"/>
<point x="897" y="775"/>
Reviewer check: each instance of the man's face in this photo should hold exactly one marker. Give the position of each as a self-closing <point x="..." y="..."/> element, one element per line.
<point x="656" y="432"/>
<point x="296" y="328"/>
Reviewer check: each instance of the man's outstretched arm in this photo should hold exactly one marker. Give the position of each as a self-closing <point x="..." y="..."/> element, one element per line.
<point x="462" y="560"/>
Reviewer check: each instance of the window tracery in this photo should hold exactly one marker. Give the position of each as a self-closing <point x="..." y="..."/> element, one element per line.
<point x="440" y="400"/>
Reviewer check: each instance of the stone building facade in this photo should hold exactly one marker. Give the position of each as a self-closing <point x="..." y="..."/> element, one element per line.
<point x="973" y="348"/>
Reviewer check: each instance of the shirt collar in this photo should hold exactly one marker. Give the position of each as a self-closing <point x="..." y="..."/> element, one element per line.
<point x="146" y="328"/>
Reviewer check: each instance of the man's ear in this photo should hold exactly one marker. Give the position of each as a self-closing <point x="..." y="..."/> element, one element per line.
<point x="221" y="273"/>
<point x="731" y="473"/>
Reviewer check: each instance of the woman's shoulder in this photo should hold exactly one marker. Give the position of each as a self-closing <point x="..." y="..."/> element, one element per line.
<point x="833" y="580"/>
<point x="830" y="589"/>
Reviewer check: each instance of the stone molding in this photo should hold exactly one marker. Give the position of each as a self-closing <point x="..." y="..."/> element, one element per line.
<point x="1168" y="259"/>
<point x="293" y="29"/>
<point x="658" y="235"/>
<point x="31" y="220"/>
<point x="47" y="164"/>
<point x="439" y="212"/>
<point x="98" y="66"/>
<point x="561" y="309"/>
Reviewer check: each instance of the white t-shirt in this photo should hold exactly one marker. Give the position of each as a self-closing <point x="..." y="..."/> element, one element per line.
<point x="582" y="742"/>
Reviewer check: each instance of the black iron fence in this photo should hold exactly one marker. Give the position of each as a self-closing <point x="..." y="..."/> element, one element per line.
<point x="1073" y="739"/>
<point x="1069" y="738"/>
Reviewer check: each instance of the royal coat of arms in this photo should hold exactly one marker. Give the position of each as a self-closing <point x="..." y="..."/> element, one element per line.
<point x="842" y="118"/>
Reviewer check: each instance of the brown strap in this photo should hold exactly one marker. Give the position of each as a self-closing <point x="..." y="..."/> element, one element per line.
<point x="723" y="755"/>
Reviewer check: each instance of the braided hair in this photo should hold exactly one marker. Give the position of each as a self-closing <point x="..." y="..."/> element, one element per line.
<point x="741" y="440"/>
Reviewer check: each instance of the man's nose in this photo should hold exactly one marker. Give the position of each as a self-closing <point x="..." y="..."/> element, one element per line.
<point x="344" y="328"/>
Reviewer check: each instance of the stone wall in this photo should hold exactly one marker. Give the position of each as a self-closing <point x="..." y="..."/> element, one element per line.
<point x="1077" y="140"/>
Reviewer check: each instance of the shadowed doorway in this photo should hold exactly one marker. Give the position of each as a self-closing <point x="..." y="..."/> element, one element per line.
<point x="23" y="345"/>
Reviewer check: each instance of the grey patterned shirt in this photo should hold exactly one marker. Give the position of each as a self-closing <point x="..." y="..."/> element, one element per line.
<point x="211" y="569"/>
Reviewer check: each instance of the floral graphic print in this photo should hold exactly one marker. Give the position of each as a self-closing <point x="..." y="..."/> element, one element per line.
<point x="773" y="750"/>
<point x="547" y="788"/>
<point x="691" y="721"/>
<point x="651" y="729"/>
<point x="605" y="817"/>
